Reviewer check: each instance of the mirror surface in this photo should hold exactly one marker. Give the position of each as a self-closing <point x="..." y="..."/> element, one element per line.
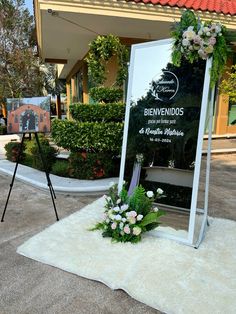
<point x="164" y="111"/>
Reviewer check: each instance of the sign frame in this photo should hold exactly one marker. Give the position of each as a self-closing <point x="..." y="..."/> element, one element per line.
<point x="207" y="100"/>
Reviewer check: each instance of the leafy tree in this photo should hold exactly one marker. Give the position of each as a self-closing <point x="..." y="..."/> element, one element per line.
<point x="19" y="67"/>
<point x="22" y="73"/>
<point x="51" y="84"/>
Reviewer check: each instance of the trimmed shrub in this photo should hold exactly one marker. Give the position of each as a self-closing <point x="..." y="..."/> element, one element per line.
<point x="3" y="129"/>
<point x="74" y="136"/>
<point x="13" y="150"/>
<point x="106" y="94"/>
<point x="89" y="165"/>
<point x="49" y="153"/>
<point x="60" y="168"/>
<point x="98" y="112"/>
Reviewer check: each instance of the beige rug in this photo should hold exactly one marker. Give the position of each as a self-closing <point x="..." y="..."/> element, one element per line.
<point x="166" y="275"/>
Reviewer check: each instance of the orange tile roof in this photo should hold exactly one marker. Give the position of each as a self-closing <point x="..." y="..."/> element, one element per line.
<point x="218" y="6"/>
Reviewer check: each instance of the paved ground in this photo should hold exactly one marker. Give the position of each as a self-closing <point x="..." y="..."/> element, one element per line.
<point x="27" y="286"/>
<point x="222" y="143"/>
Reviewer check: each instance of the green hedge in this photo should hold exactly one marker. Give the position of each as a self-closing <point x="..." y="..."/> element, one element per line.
<point x="13" y="150"/>
<point x="90" y="165"/>
<point x="106" y="94"/>
<point x="49" y="154"/>
<point x="98" y="112"/>
<point x="76" y="136"/>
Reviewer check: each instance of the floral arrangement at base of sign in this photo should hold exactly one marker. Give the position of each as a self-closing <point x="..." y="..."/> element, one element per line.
<point x="194" y="40"/>
<point x="126" y="217"/>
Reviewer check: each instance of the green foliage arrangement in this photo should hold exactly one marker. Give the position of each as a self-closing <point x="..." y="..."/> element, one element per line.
<point x="13" y="150"/>
<point x="97" y="112"/>
<point x="88" y="165"/>
<point x="101" y="51"/>
<point x="106" y="94"/>
<point x="194" y="40"/>
<point x="80" y="136"/>
<point x="127" y="217"/>
<point x="228" y="85"/>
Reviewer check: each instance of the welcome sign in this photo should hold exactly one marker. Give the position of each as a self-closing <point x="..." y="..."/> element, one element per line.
<point x="162" y="126"/>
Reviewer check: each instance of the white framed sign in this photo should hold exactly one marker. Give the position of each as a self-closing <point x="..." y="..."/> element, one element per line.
<point x="164" y="123"/>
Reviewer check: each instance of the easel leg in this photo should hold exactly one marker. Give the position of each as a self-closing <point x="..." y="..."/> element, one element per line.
<point x="14" y="174"/>
<point x="52" y="192"/>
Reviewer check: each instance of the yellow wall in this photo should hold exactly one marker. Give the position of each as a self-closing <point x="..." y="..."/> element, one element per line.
<point x="222" y="111"/>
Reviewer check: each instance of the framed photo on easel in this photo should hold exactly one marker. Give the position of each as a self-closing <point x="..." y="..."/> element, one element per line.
<point x="28" y="115"/>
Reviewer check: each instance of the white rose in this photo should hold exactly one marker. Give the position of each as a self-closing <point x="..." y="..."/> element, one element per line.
<point x="185" y="42"/>
<point x="116" y="209"/>
<point x="139" y="217"/>
<point x="124" y="207"/>
<point x="150" y="194"/>
<point x="155" y="209"/>
<point x="160" y="191"/>
<point x="209" y="49"/>
<point x="191" y="35"/>
<point x="218" y="28"/>
<point x="113" y="225"/>
<point x="121" y="225"/>
<point x="132" y="220"/>
<point x="124" y="219"/>
<point x="118" y="217"/>
<point x="190" y="28"/>
<point x="137" y="231"/>
<point x="112" y="216"/>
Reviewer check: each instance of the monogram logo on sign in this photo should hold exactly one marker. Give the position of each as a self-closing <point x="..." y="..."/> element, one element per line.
<point x="166" y="87"/>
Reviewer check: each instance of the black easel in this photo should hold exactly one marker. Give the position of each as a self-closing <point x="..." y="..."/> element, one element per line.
<point x="53" y="195"/>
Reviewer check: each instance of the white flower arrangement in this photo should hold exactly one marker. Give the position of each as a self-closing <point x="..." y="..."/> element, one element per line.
<point x="202" y="41"/>
<point x="126" y="218"/>
<point x="196" y="40"/>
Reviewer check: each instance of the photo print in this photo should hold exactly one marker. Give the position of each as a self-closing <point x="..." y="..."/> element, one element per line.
<point x="28" y="115"/>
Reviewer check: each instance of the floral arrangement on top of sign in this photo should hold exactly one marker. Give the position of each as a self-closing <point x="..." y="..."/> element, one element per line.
<point x="194" y="40"/>
<point x="126" y="217"/>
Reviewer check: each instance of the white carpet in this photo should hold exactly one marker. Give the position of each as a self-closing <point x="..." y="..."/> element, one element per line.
<point x="166" y="275"/>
